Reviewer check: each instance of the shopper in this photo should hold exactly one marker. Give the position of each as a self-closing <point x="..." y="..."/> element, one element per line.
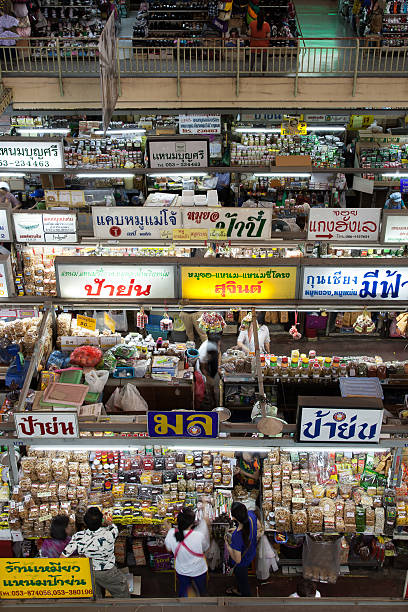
<point x="306" y="588"/>
<point x="259" y="37"/>
<point x="242" y="548"/>
<point x="97" y="542"/>
<point x="7" y="198"/>
<point x="188" y="544"/>
<point x="60" y="533"/>
<point x="208" y="363"/>
<point x="246" y="340"/>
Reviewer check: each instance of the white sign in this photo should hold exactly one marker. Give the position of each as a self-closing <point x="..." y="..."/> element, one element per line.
<point x="344" y="224"/>
<point x="200" y="124"/>
<point x="3" y="281"/>
<point x="128" y="282"/>
<point x="127" y="223"/>
<point x="356" y="425"/>
<point x="27" y="154"/>
<point x="239" y="223"/>
<point x="45" y="227"/>
<point x="362" y="184"/>
<point x="366" y="283"/>
<point x="46" y="425"/>
<point x="178" y="153"/>
<point x="4" y="226"/>
<point x="262" y="116"/>
<point x="395" y="228"/>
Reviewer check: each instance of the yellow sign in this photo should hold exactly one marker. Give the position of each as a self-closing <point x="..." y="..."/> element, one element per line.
<point x="359" y="122"/>
<point x="190" y="234"/>
<point x="218" y="233"/>
<point x="45" y="578"/>
<point x="238" y="284"/>
<point x="109" y="322"/>
<point x="86" y="322"/>
<point x="293" y="126"/>
<point x="181" y="234"/>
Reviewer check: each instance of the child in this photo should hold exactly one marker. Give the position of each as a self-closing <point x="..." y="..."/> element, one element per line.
<point x="306" y="588"/>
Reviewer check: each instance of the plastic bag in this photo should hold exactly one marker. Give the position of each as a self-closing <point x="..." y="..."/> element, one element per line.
<point x="213" y="555"/>
<point x="86" y="356"/>
<point x="266" y="559"/>
<point x="321" y="560"/>
<point x="127" y="399"/>
<point x="96" y="380"/>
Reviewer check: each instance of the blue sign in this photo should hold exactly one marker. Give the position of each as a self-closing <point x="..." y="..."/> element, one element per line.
<point x="182" y="424"/>
<point x="404" y="185"/>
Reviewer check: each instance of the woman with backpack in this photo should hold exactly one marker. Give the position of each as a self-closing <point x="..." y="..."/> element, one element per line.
<point x="188" y="542"/>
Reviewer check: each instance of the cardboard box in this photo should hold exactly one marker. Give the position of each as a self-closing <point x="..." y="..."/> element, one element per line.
<point x="294" y="161"/>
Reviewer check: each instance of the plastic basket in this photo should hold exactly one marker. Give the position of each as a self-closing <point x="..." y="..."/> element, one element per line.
<point x="156" y="332"/>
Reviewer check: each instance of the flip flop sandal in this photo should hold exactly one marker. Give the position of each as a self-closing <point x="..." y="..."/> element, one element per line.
<point x="233" y="592"/>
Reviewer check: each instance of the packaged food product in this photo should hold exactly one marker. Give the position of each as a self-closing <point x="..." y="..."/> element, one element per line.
<point x="282" y="519"/>
<point x="299" y="521"/>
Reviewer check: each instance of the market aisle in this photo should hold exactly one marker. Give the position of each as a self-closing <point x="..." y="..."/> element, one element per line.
<point x="320" y="19"/>
<point x="126" y="31"/>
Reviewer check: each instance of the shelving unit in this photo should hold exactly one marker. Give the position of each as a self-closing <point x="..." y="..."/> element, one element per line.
<point x="191" y="18"/>
<point x="395" y="30"/>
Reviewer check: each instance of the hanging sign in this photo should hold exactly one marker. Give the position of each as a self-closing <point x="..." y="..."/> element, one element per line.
<point x="86" y="322"/>
<point x="292" y="126"/>
<point x="45" y="227"/>
<point x="246" y="284"/>
<point x="95" y="279"/>
<point x="395" y="227"/>
<point x="340" y="425"/>
<point x="182" y="424"/>
<point x="4" y="292"/>
<point x="28" y="154"/>
<point x="200" y="124"/>
<point x="46" y="425"/>
<point x="365" y="283"/>
<point x="236" y="224"/>
<point x="37" y="578"/>
<point x="359" y="122"/>
<point x="132" y="223"/>
<point x="344" y="224"/>
<point x="4" y="225"/>
<point x="191" y="153"/>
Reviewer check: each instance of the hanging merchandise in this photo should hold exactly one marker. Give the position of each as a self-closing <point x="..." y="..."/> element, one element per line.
<point x="211" y="322"/>
<point x="229" y="317"/>
<point x="166" y="324"/>
<point x="141" y="319"/>
<point x="402" y="323"/>
<point x="246" y="321"/>
<point x="296" y="335"/>
<point x="364" y="323"/>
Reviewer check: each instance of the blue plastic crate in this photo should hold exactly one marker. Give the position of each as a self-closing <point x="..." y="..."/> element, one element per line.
<point x="156" y="332"/>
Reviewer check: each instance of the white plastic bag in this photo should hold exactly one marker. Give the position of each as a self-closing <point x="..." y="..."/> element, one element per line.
<point x="96" y="379"/>
<point x="267" y="559"/>
<point x="213" y="555"/>
<point x="127" y="399"/>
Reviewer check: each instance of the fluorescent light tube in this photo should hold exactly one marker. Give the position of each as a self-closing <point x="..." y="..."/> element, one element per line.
<point x="182" y="174"/>
<point x="37" y="130"/>
<point x="124" y="131"/>
<point x="12" y="175"/>
<point x="104" y="175"/>
<point x="279" y="175"/>
<point x="257" y="130"/>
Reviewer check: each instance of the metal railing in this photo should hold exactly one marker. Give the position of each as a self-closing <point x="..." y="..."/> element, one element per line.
<point x="206" y="57"/>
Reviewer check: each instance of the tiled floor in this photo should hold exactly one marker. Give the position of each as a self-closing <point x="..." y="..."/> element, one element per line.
<point x="320" y="19"/>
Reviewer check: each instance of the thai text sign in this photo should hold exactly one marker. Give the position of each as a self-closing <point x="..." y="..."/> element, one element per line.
<point x="127" y="223"/>
<point x="45" y="227"/>
<point x="84" y="280"/>
<point x="239" y="224"/>
<point x="374" y="283"/>
<point x="178" y="153"/>
<point x="46" y="425"/>
<point x="340" y="425"/>
<point x="4" y="225"/>
<point x="344" y="224"/>
<point x="182" y="424"/>
<point x="395" y="227"/>
<point x="200" y="124"/>
<point x="86" y="322"/>
<point x="45" y="578"/>
<point x="238" y="284"/>
<point x="3" y="281"/>
<point x="26" y="154"/>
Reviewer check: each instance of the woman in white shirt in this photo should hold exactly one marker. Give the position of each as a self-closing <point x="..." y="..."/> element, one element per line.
<point x="246" y="341"/>
<point x="188" y="544"/>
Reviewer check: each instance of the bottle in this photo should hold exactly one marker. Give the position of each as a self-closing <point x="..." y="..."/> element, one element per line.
<point x="284" y="369"/>
<point x="343" y="369"/>
<point x="352" y="369"/>
<point x="304" y="373"/>
<point x="273" y="367"/>
<point x="294" y="369"/>
<point x="335" y="368"/>
<point x="316" y="372"/>
<point x="327" y="375"/>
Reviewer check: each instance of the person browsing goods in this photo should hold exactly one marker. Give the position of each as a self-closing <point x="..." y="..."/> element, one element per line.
<point x="60" y="533"/>
<point x="97" y="542"/>
<point x="246" y="340"/>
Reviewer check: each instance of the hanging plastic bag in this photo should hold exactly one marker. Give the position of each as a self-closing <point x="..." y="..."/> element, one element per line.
<point x="178" y="324"/>
<point x="213" y="555"/>
<point x="127" y="399"/>
<point x="96" y="380"/>
<point x="266" y="559"/>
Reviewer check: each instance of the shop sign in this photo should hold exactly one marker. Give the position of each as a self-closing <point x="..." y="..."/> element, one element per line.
<point x="28" y="154"/>
<point x="344" y="224"/>
<point x="200" y="124"/>
<point x="128" y="282"/>
<point x="4" y="226"/>
<point x="238" y="284"/>
<point x="340" y="425"/>
<point x="263" y="116"/>
<point x="395" y="227"/>
<point x="45" y="227"/>
<point x="404" y="185"/>
<point x="3" y="281"/>
<point x="46" y="578"/>
<point x="28" y="227"/>
<point x="239" y="224"/>
<point x="46" y="425"/>
<point x="374" y="283"/>
<point x="130" y="223"/>
<point x="192" y="153"/>
<point x="182" y="424"/>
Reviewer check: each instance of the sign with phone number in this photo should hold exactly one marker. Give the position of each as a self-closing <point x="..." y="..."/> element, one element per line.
<point x="46" y="578"/>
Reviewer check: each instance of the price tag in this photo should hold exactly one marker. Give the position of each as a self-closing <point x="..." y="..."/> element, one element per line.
<point x="16" y="490"/>
<point x="44" y="494"/>
<point x="296" y="481"/>
<point x="218" y="233"/>
<point x="86" y="322"/>
<point x="17" y="536"/>
<point x="298" y="500"/>
<point x="46" y="517"/>
<point x="27" y="497"/>
<point x="109" y="322"/>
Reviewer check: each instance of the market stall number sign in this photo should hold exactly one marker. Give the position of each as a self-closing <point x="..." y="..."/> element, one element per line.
<point x="340" y="425"/>
<point x="46" y="425"/>
<point x="86" y="322"/>
<point x="46" y="578"/>
<point x="182" y="424"/>
<point x="27" y="154"/>
<point x="348" y="224"/>
<point x="374" y="283"/>
<point x="238" y="284"/>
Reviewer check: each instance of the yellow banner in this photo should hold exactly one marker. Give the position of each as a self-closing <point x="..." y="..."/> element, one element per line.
<point x="218" y="233"/>
<point x="238" y="284"/>
<point x="293" y="126"/>
<point x="86" y="322"/>
<point x="109" y="322"/>
<point x="45" y="578"/>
